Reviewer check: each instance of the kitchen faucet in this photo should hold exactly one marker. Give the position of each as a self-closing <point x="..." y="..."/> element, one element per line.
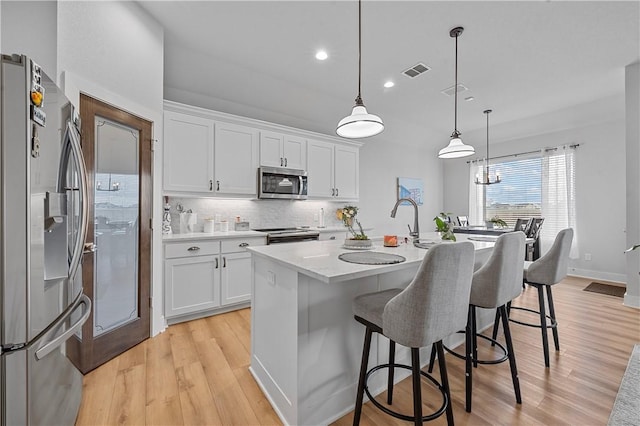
<point x="416" y="229"/>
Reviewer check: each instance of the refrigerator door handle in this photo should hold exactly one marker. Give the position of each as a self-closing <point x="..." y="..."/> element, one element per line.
<point x="52" y="345"/>
<point x="72" y="146"/>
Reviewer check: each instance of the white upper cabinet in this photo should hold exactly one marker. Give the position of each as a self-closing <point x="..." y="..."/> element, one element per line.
<point x="347" y="172"/>
<point x="236" y="159"/>
<point x="188" y="153"/>
<point x="333" y="171"/>
<point x="280" y="150"/>
<point x="295" y="152"/>
<point x="209" y="153"/>
<point x="320" y="169"/>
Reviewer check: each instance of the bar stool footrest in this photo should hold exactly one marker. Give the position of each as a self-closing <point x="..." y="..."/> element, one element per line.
<point x="440" y="411"/>
<point x="494" y="342"/>
<point x="552" y="321"/>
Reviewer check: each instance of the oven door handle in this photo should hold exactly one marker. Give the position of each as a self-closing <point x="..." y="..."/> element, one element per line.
<point x="301" y="185"/>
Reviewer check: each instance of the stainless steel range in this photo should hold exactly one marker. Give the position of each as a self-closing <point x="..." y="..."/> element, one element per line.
<point x="289" y="235"/>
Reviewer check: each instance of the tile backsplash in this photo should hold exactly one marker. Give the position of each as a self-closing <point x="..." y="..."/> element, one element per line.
<point x="259" y="213"/>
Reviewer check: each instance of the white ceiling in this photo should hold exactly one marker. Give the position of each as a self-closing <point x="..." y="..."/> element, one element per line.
<point x="521" y="59"/>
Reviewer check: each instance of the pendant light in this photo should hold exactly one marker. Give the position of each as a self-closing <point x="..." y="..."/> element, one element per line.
<point x="456" y="147"/>
<point x="486" y="180"/>
<point x="360" y="124"/>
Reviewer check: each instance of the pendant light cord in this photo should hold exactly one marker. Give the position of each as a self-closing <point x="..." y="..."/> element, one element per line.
<point x="487" y="112"/>
<point x="455" y="111"/>
<point x="359" y="98"/>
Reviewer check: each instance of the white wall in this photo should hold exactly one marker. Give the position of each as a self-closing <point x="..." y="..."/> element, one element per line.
<point x="381" y="163"/>
<point x="29" y="28"/>
<point x="632" y="84"/>
<point x="113" y="51"/>
<point x="600" y="189"/>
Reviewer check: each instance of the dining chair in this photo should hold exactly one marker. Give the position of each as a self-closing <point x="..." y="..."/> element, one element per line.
<point x="463" y="220"/>
<point x="433" y="306"/>
<point x="533" y="249"/>
<point x="523" y="225"/>
<point x="543" y="273"/>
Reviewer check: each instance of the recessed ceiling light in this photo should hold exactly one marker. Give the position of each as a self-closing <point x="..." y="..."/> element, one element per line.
<point x="389" y="84"/>
<point x="321" y="55"/>
<point x="469" y="98"/>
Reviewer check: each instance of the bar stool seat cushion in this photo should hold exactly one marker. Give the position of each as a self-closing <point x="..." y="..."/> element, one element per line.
<point x="551" y="268"/>
<point x="370" y="306"/>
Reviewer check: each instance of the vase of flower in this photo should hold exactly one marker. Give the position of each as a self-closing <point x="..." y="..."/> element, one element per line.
<point x="357" y="239"/>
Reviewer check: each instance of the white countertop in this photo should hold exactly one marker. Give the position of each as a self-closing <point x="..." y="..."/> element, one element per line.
<point x="319" y="259"/>
<point x="214" y="236"/>
<point x="237" y="234"/>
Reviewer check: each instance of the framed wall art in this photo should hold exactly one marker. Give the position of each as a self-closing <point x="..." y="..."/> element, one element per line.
<point x="412" y="188"/>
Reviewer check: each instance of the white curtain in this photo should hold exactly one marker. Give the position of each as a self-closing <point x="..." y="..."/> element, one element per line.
<point x="558" y="196"/>
<point x="476" y="195"/>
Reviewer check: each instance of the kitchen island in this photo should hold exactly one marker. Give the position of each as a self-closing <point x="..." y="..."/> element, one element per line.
<point x="305" y="345"/>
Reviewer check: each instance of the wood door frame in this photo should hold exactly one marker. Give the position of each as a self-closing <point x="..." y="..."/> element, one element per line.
<point x="90" y="352"/>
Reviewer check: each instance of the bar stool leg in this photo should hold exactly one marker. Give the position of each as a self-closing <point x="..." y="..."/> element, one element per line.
<point x="363" y="372"/>
<point x="417" y="392"/>
<point x="474" y="336"/>
<point x="445" y="382"/>
<point x="432" y="358"/>
<point x="468" y="370"/>
<point x="496" y="324"/>
<point x="552" y="314"/>
<point x="512" y="356"/>
<point x="543" y="325"/>
<point x="392" y="360"/>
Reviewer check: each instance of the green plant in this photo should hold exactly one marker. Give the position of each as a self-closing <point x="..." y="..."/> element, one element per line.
<point x="497" y="221"/>
<point x="347" y="215"/>
<point x="444" y="226"/>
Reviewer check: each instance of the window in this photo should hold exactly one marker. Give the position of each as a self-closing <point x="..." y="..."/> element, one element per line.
<point x="541" y="185"/>
<point x="519" y="195"/>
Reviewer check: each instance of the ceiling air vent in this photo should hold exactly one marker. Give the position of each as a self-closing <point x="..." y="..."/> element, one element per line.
<point x="450" y="91"/>
<point x="416" y="70"/>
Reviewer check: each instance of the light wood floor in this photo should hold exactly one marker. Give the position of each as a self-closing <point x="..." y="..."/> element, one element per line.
<point x="197" y="373"/>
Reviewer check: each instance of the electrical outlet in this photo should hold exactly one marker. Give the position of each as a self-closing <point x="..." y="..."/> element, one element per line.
<point x="315" y="217"/>
<point x="587" y="256"/>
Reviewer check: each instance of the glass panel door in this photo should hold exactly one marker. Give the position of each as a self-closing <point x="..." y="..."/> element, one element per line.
<point x="116" y="212"/>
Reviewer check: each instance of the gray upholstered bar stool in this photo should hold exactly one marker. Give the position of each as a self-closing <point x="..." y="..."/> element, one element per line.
<point x="543" y="273"/>
<point x="494" y="285"/>
<point x="433" y="306"/>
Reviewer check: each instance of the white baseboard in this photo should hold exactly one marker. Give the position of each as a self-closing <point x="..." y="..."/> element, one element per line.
<point x="631" y="301"/>
<point x="598" y="275"/>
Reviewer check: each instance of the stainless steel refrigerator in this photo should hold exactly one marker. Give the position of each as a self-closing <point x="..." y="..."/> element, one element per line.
<point x="43" y="225"/>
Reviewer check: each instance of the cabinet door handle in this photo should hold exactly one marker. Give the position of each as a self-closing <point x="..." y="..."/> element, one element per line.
<point x="281" y="162"/>
<point x="217" y="185"/>
<point x="216" y="263"/>
<point x="224" y="262"/>
<point x="243" y="244"/>
<point x="333" y="237"/>
<point x="285" y="161"/>
<point x="210" y="185"/>
<point x="333" y="192"/>
<point x="194" y="248"/>
<point x="337" y="193"/>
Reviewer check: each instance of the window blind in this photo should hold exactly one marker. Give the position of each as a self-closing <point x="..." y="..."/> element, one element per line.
<point x="519" y="195"/>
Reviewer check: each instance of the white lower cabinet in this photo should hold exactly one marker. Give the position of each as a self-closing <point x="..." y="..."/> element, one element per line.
<point x="236" y="278"/>
<point x="202" y="277"/>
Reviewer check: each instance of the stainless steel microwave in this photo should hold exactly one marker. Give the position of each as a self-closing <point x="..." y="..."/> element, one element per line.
<point x="279" y="183"/>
